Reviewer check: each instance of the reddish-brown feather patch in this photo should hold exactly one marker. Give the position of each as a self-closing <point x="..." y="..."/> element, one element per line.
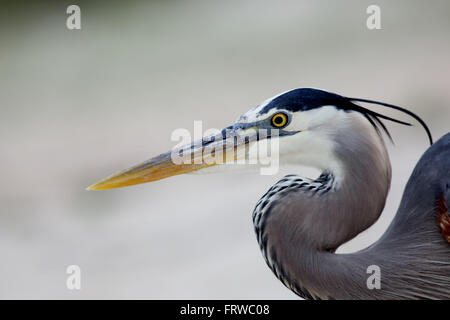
<point x="444" y="218"/>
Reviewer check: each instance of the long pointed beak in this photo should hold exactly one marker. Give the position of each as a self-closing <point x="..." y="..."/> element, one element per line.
<point x="230" y="145"/>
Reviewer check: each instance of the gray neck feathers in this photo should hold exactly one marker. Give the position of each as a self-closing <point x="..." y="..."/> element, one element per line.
<point x="299" y="220"/>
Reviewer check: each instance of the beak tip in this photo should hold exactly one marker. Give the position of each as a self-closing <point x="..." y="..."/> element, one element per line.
<point x="91" y="187"/>
<point x="97" y="186"/>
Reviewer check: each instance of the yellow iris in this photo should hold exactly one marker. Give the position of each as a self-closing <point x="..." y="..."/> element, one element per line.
<point x="279" y="120"/>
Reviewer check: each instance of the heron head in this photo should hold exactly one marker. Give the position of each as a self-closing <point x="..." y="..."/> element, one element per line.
<point x="294" y="127"/>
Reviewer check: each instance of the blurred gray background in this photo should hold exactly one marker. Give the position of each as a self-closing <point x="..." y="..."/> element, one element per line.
<point x="76" y="106"/>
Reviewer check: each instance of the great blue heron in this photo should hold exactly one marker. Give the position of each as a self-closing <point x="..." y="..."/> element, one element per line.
<point x="300" y="222"/>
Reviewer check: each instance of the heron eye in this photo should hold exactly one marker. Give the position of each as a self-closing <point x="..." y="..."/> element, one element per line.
<point x="279" y="120"/>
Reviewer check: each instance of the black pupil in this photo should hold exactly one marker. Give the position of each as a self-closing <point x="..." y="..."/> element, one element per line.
<point x="278" y="120"/>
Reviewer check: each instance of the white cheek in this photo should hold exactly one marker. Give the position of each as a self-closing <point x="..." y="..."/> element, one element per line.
<point x="304" y="148"/>
<point x="307" y="148"/>
<point x="312" y="149"/>
<point x="312" y="146"/>
<point x="308" y="120"/>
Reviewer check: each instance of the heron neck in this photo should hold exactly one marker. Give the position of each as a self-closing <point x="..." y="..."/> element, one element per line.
<point x="301" y="228"/>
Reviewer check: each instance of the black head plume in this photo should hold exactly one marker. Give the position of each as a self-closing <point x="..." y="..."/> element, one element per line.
<point x="374" y="117"/>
